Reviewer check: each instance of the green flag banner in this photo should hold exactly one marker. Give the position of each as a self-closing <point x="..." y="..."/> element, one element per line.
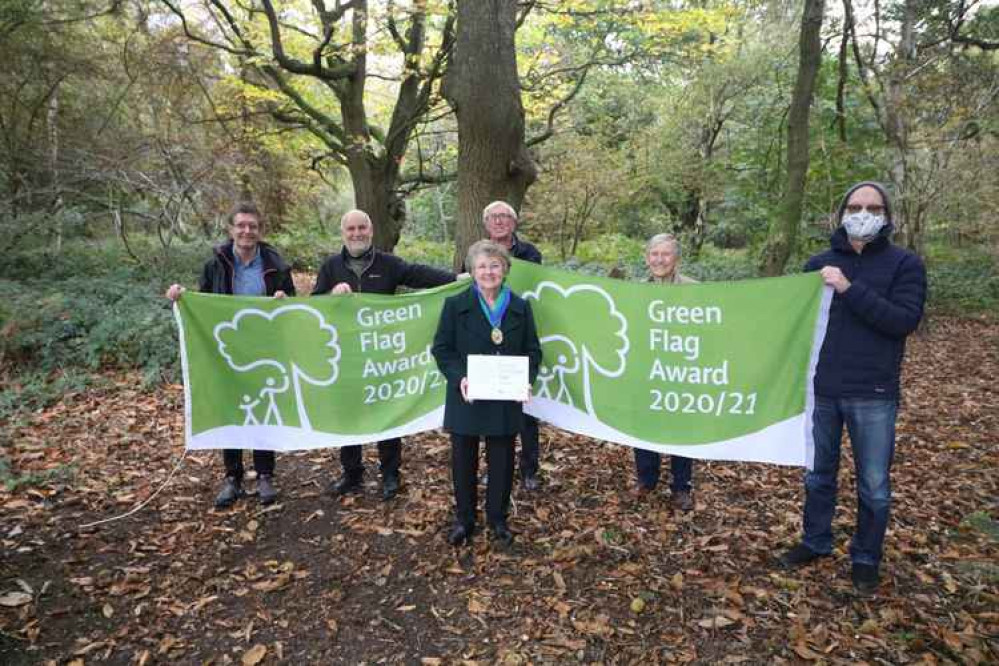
<point x="714" y="371"/>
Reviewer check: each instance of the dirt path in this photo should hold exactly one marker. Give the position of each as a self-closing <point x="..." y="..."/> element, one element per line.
<point x="595" y="575"/>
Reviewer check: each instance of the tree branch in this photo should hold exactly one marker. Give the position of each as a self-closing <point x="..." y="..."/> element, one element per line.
<point x="294" y="65"/>
<point x="179" y="13"/>
<point x="558" y="106"/>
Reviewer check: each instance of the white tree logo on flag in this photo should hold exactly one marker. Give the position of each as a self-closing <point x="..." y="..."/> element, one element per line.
<point x="295" y="342"/>
<point x="570" y="351"/>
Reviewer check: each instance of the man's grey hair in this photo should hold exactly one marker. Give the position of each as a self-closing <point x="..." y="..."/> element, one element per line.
<point x="487" y="248"/>
<point x="498" y="204"/>
<point x="659" y="239"/>
<point x="355" y="211"/>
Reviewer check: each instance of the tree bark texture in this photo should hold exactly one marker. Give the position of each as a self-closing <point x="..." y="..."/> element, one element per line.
<point x="483" y="87"/>
<point x="783" y="237"/>
<point x="908" y="218"/>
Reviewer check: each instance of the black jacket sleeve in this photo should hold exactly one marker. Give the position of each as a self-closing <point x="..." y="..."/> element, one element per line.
<point x="420" y="276"/>
<point x="324" y="282"/>
<point x="287" y="283"/>
<point x="898" y="314"/>
<point x="532" y="254"/>
<point x="207" y="279"/>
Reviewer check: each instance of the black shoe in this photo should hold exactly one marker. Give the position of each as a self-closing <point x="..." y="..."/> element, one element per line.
<point x="232" y="490"/>
<point x="390" y="486"/>
<point x="799" y="556"/>
<point x="501" y="533"/>
<point x="682" y="501"/>
<point x="266" y="492"/>
<point x="459" y="534"/>
<point x="345" y="484"/>
<point x="865" y="578"/>
<point x="530" y="483"/>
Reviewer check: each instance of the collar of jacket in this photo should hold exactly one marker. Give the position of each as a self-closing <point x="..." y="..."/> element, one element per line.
<point x="840" y="242"/>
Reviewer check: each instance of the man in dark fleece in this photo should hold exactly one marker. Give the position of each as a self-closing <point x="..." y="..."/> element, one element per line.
<point x="360" y="267"/>
<point x="879" y="292"/>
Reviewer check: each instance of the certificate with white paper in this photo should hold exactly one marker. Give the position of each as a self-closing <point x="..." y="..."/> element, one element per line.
<point x="494" y="377"/>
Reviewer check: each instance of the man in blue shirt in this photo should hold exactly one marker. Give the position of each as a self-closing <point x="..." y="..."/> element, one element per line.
<point x="880" y="290"/>
<point x="244" y="266"/>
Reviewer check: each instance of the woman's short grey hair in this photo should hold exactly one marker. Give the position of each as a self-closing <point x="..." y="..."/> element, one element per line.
<point x="487" y="248"/>
<point x="659" y="239"/>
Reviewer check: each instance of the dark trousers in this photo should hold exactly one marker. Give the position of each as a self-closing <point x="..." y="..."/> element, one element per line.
<point x="647" y="464"/>
<point x="389" y="455"/>
<point x="530" y="448"/>
<point x="263" y="462"/>
<point x="465" y="475"/>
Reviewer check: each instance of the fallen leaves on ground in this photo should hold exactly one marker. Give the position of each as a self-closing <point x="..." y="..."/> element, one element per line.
<point x="595" y="575"/>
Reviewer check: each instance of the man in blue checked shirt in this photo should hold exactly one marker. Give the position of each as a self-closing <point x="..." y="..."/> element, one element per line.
<point x="244" y="266"/>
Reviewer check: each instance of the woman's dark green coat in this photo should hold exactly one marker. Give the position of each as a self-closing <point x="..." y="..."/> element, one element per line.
<point x="464" y="330"/>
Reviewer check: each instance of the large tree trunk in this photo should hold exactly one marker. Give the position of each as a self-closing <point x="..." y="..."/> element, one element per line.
<point x="483" y="88"/>
<point x="783" y="237"/>
<point x="373" y="176"/>
<point x="374" y="193"/>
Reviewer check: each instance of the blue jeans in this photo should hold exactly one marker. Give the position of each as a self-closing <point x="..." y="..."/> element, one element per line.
<point x="871" y="423"/>
<point x="647" y="464"/>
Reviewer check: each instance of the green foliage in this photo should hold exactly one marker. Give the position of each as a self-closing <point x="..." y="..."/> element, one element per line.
<point x="14" y="481"/>
<point x="93" y="306"/>
<point x="305" y="247"/>
<point x="426" y="252"/>
<point x="611" y="250"/>
<point x="34" y="390"/>
<point x="91" y="322"/>
<point x="963" y="280"/>
<point x="981" y="521"/>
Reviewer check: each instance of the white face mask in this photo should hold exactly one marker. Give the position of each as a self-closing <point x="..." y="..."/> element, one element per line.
<point x="863" y="225"/>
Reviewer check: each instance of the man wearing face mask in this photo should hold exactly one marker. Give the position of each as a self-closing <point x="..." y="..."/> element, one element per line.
<point x="880" y="289"/>
<point x="360" y="267"/>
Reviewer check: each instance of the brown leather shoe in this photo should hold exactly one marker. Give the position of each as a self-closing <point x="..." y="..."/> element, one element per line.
<point x="682" y="500"/>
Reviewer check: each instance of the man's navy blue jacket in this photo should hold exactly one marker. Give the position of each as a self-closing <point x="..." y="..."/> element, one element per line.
<point x="868" y="323"/>
<point x="521" y="250"/>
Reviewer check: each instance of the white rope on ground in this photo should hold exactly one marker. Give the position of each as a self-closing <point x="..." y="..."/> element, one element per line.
<point x="144" y="502"/>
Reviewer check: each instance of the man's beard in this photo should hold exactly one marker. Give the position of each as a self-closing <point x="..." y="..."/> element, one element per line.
<point x="357" y="248"/>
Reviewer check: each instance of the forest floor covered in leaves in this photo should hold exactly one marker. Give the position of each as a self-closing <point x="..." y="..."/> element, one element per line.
<point x="595" y="576"/>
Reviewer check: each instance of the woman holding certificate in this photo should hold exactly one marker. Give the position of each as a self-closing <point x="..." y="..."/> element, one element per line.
<point x="491" y="329"/>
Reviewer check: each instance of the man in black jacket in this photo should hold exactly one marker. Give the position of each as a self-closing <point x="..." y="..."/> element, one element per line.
<point x="244" y="266"/>
<point x="359" y="267"/>
<point x="880" y="289"/>
<point x="500" y="220"/>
